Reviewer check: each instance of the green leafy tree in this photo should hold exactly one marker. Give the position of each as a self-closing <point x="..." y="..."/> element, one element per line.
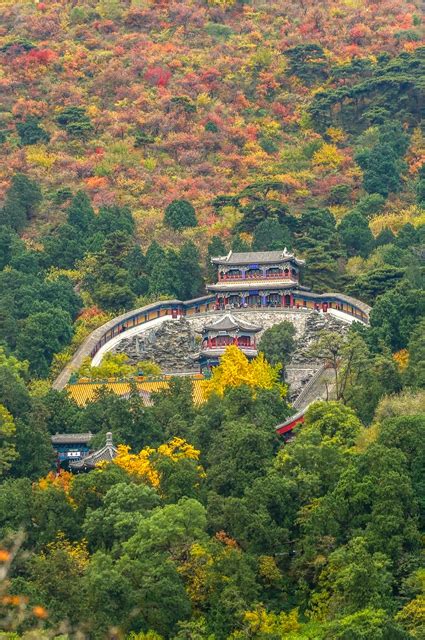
<point x="277" y="342"/>
<point x="64" y="247"/>
<point x="7" y="440"/>
<point x="355" y="234"/>
<point x="415" y="373"/>
<point x="47" y="585"/>
<point x="385" y="236"/>
<point x="109" y="601"/>
<point x="258" y="211"/>
<point x="411" y="616"/>
<point x="75" y="121"/>
<point x="238" y="454"/>
<point x="163" y="280"/>
<point x="62" y="413"/>
<point x="15" y="506"/>
<point x="33" y="444"/>
<point x="342" y="354"/>
<point x="114" y="218"/>
<point x="30" y="131"/>
<point x="105" y="275"/>
<point x="307" y="62"/>
<point x="406" y="433"/>
<point x="216" y="247"/>
<point x="7" y="241"/>
<point x="154" y="254"/>
<point x="189" y="272"/>
<point x="370" y="205"/>
<point x="376" y="481"/>
<point x="366" y="624"/>
<point x="271" y="235"/>
<point x="180" y="214"/>
<point x="240" y="244"/>
<point x="22" y="200"/>
<point x="354" y="579"/>
<point x="420" y="186"/>
<point x="395" y="315"/>
<point x="13" y="390"/>
<point x="382" y="164"/>
<point x="135" y="262"/>
<point x="123" y="507"/>
<point x="368" y="286"/>
<point x="80" y="212"/>
<point x="43" y="334"/>
<point x="407" y="237"/>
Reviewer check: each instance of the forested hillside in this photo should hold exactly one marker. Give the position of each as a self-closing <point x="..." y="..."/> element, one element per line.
<point x="137" y="140"/>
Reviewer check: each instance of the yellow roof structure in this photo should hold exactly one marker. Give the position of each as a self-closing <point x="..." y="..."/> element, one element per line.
<point x="85" y="390"/>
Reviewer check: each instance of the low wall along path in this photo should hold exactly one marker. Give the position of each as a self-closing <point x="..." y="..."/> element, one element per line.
<point x="132" y="323"/>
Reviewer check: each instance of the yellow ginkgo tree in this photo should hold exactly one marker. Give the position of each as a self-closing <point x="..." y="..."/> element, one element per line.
<point x="236" y="370"/>
<point x="144" y="465"/>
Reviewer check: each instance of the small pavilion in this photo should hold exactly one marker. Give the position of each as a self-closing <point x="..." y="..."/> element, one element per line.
<point x="105" y="454"/>
<point x="221" y="333"/>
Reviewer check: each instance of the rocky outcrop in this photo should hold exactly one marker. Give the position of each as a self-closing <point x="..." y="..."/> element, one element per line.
<point x="169" y="345"/>
<point x="316" y="322"/>
<point x="173" y="343"/>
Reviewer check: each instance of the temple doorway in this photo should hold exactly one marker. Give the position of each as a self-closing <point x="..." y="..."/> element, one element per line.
<point x="274" y="299"/>
<point x="235" y="300"/>
<point x="254" y="300"/>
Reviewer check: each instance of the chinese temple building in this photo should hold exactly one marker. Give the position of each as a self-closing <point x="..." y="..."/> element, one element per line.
<point x="221" y="333"/>
<point x="256" y="279"/>
<point x="106" y="454"/>
<point x="71" y="447"/>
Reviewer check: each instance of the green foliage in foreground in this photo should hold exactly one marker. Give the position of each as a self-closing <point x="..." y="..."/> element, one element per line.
<point x="315" y="538"/>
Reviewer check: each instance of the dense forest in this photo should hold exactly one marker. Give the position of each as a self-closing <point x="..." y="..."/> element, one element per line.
<point x="139" y="138"/>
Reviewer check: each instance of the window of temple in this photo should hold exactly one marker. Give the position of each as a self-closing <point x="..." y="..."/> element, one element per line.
<point x="274" y="271"/>
<point x="254" y="273"/>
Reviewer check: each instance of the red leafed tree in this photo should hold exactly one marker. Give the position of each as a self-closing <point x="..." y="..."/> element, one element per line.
<point x="39" y="56"/>
<point x="158" y="76"/>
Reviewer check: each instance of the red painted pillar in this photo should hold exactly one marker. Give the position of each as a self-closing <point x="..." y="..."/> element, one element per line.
<point x="291" y="300"/>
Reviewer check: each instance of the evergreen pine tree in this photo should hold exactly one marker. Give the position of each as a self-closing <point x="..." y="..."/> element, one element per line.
<point x="80" y="212"/>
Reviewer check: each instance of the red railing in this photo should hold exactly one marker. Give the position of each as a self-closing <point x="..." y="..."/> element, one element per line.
<point x="205" y="345"/>
<point x="267" y="276"/>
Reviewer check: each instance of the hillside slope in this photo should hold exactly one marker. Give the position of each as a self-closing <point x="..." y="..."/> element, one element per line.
<point x="200" y="98"/>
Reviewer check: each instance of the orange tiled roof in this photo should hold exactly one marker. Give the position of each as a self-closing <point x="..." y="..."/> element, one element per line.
<point x="84" y="390"/>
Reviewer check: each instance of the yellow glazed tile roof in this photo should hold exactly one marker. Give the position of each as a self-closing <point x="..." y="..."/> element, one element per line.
<point x="85" y="390"/>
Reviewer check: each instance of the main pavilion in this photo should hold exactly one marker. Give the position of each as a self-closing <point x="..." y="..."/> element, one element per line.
<point x="257" y="279"/>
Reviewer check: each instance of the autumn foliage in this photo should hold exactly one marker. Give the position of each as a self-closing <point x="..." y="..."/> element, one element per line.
<point x="144" y="465"/>
<point x="236" y="370"/>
